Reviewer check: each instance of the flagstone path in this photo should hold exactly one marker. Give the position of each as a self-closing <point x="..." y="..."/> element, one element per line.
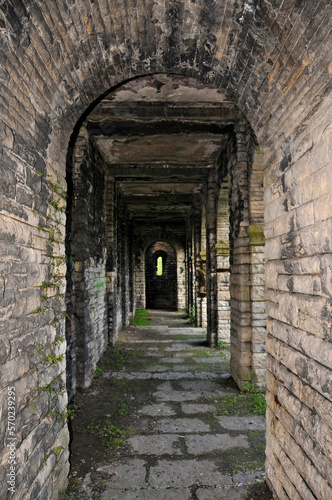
<point x="187" y="432"/>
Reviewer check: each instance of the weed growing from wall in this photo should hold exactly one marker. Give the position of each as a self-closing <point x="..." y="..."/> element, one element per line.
<point x="192" y="316"/>
<point x="49" y="358"/>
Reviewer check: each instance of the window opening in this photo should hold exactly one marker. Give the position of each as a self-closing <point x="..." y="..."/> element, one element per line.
<point x="159" y="266"/>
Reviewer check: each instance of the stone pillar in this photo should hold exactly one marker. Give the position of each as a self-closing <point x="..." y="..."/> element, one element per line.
<point x="202" y="267"/>
<point x="223" y="272"/>
<point x="181" y="278"/>
<point x="89" y="252"/>
<point x="111" y="274"/>
<point x="198" y="274"/>
<point x="211" y="260"/>
<point x="257" y="297"/>
<point x="247" y="262"/>
<point x="131" y="269"/>
<point x="240" y="260"/>
<point x="190" y="273"/>
<point x="124" y="264"/>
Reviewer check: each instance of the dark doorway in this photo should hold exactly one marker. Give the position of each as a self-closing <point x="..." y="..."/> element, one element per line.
<point x="161" y="276"/>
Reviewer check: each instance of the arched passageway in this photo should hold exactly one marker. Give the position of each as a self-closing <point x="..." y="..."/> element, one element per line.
<point x="271" y="61"/>
<point x="161" y="276"/>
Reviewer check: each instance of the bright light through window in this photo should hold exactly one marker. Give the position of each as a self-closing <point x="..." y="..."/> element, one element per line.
<point x="159" y="266"/>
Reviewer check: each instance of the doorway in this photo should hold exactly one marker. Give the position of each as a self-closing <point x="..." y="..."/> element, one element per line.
<point x="161" y="276"/>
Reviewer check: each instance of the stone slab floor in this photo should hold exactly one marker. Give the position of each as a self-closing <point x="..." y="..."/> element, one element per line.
<point x="163" y="420"/>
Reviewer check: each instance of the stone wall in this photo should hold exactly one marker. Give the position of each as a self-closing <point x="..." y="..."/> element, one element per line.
<point x="274" y="60"/>
<point x="298" y="233"/>
<point x="87" y="238"/>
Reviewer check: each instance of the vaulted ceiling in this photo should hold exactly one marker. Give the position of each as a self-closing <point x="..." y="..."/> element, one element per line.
<point x="160" y="137"/>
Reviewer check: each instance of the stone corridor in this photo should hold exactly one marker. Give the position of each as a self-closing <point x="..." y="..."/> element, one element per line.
<point x="189" y="434"/>
<point x="199" y="133"/>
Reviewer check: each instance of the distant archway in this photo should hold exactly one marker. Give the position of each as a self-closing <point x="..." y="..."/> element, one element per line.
<point x="161" y="276"/>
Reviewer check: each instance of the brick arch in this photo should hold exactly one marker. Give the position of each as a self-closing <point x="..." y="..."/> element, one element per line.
<point x="238" y="48"/>
<point x="143" y="244"/>
<point x="273" y="60"/>
<point x="158" y="234"/>
<point x="161" y="290"/>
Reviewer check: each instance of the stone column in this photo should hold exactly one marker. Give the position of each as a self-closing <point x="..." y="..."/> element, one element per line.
<point x="257" y="297"/>
<point x="211" y="260"/>
<point x="223" y="272"/>
<point x="240" y="259"/>
<point x="202" y="267"/>
<point x="111" y="274"/>
<point x="190" y="272"/>
<point x="196" y="267"/>
<point x="247" y="262"/>
<point x="131" y="269"/>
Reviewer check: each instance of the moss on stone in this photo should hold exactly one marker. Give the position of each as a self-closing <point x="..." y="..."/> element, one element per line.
<point x="256" y="235"/>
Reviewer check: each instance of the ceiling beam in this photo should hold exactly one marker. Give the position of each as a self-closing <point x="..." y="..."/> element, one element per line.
<point x="109" y="127"/>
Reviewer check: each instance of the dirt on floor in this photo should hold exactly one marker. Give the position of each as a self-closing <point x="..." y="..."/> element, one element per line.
<point x="163" y="419"/>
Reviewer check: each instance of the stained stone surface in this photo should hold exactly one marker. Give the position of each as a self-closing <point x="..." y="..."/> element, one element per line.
<point x="180" y="446"/>
<point x="128" y="474"/>
<point x="238" y="422"/>
<point x="208" y="442"/>
<point x="239" y="493"/>
<point x="147" y="494"/>
<point x="182" y="425"/>
<point x="161" y="410"/>
<point x="155" y="445"/>
<point x="186" y="473"/>
<point x="197" y="408"/>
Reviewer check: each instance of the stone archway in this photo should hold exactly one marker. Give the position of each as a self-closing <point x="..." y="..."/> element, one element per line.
<point x="273" y="59"/>
<point x="161" y="277"/>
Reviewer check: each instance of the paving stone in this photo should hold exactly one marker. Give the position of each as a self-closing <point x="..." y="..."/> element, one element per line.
<point x="164" y="375"/>
<point x="129" y="474"/>
<point x="200" y="385"/>
<point x="147" y="494"/>
<point x="234" y="493"/>
<point x="186" y="473"/>
<point x="175" y="375"/>
<point x="203" y="444"/>
<point x="160" y="444"/>
<point x="182" y="425"/>
<point x="248" y="477"/>
<point x="172" y="360"/>
<point x="177" y="395"/>
<point x="182" y="354"/>
<point x="157" y="369"/>
<point x="160" y="410"/>
<point x="211" y="360"/>
<point x="197" y="408"/>
<point x="240" y="423"/>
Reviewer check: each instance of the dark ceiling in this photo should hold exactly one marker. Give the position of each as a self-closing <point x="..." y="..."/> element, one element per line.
<point x="160" y="137"/>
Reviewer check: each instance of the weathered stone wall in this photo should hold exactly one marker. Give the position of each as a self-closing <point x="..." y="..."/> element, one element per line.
<point x="298" y="230"/>
<point x="247" y="261"/>
<point x="88" y="251"/>
<point x="274" y="60"/>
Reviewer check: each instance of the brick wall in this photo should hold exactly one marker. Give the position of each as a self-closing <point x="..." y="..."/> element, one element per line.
<point x="86" y="233"/>
<point x="274" y="60"/>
